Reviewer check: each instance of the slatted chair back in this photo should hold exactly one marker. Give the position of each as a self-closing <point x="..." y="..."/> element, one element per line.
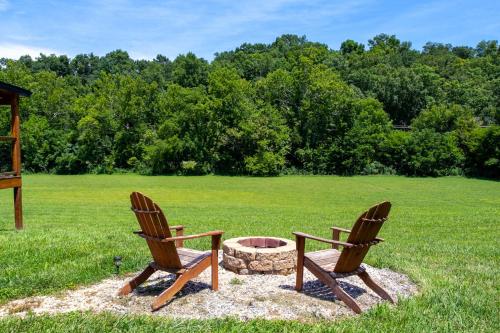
<point x="154" y="224"/>
<point x="363" y="235"/>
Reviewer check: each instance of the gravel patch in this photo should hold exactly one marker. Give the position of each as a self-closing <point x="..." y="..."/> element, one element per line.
<point x="241" y="296"/>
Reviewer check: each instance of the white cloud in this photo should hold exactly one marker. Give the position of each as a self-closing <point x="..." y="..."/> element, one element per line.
<point x="139" y="55"/>
<point x="14" y="51"/>
<point x="4" y="4"/>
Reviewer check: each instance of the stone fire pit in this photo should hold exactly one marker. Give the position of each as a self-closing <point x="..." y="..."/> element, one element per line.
<point x="259" y="255"/>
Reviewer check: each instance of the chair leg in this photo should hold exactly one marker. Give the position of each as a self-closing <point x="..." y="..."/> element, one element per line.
<point x="135" y="282"/>
<point x="344" y="297"/>
<point x="215" y="271"/>
<point x="165" y="296"/>
<point x="214" y="261"/>
<point x="299" y="275"/>
<point x="181" y="280"/>
<point x="328" y="280"/>
<point x="375" y="287"/>
<point x="299" y="278"/>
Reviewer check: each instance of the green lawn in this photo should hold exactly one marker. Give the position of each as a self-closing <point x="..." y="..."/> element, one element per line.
<point x="443" y="233"/>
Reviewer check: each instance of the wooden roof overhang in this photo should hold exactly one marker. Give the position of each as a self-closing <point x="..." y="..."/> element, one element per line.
<point x="8" y="91"/>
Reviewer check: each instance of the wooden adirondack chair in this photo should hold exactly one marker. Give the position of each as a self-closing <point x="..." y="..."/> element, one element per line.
<point x="168" y="252"/>
<point x="330" y="265"/>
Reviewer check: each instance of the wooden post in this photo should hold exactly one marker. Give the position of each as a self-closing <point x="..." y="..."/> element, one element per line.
<point x="16" y="159"/>
<point x="335" y="237"/>
<point x="214" y="261"/>
<point x="300" y="243"/>
<point x="179" y="232"/>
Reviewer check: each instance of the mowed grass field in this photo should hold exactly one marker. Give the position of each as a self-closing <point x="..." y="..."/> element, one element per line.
<point x="443" y="232"/>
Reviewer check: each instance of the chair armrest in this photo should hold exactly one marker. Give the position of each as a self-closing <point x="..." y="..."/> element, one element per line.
<point x="179" y="238"/>
<point x="324" y="240"/>
<point x="205" y="234"/>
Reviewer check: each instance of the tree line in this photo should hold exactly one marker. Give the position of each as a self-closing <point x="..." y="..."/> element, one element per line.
<point x="289" y="107"/>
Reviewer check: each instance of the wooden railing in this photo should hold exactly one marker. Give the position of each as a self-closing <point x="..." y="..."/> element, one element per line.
<point x="8" y="138"/>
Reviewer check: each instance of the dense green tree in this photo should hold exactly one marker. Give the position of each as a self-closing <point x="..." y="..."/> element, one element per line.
<point x="117" y="62"/>
<point x="484" y="152"/>
<point x="232" y="103"/>
<point x="85" y="66"/>
<point x="443" y="118"/>
<point x="487" y="48"/>
<point x="464" y="52"/>
<point x="349" y="46"/>
<point x="364" y="140"/>
<point x="432" y="154"/>
<point x="57" y="64"/>
<point x="189" y="70"/>
<point x="42" y="144"/>
<point x="404" y="91"/>
<point x="159" y="70"/>
<point x="263" y="109"/>
<point x="251" y="60"/>
<point x="279" y="88"/>
<point x="187" y="134"/>
<point x="267" y="141"/>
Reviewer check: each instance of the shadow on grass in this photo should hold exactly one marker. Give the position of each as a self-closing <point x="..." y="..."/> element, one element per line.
<point x="319" y="290"/>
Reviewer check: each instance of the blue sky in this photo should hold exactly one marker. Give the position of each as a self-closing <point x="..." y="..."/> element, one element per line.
<point x="147" y="28"/>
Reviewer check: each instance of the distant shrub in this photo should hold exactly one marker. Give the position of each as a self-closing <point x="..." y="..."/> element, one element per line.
<point x="393" y="150"/>
<point x="442" y="118"/>
<point x="265" y="164"/>
<point x="294" y="171"/>
<point x="377" y="168"/>
<point x="191" y="168"/>
<point x="484" y="155"/>
<point x="107" y="167"/>
<point x="432" y="154"/>
<point x="133" y="162"/>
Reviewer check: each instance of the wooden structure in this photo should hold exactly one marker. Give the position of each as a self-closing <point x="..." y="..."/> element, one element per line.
<point x="9" y="95"/>
<point x="168" y="252"/>
<point x="330" y="265"/>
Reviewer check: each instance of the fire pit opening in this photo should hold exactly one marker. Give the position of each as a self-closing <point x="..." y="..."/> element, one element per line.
<point x="260" y="255"/>
<point x="266" y="243"/>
